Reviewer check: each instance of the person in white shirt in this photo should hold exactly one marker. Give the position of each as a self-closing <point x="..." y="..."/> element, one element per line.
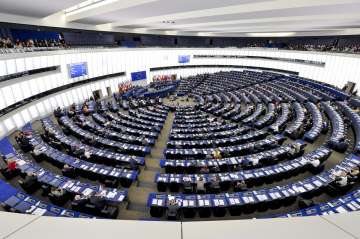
<point x="315" y="163"/>
<point x="37" y="151"/>
<point x="297" y="148"/>
<point x="342" y="180"/>
<point x="275" y="128"/>
<point x="254" y="161"/>
<point x="87" y="154"/>
<point x="200" y="185"/>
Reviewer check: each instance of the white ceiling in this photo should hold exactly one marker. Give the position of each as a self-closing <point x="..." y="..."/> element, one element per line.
<point x="195" y="17"/>
<point x="35" y="8"/>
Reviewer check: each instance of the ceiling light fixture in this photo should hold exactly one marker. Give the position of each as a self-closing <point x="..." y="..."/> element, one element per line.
<point x="168" y="22"/>
<point x="270" y="34"/>
<point x="87" y="5"/>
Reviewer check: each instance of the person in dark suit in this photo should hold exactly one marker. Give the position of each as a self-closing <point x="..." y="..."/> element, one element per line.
<point x="240" y="186"/>
<point x="173" y="209"/>
<point x="77" y="151"/>
<point x="81" y="199"/>
<point x="29" y="181"/>
<point x="98" y="199"/>
<point x="215" y="184"/>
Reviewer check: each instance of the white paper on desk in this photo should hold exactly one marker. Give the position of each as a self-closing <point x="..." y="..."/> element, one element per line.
<point x="355" y="204"/>
<point x="232" y="201"/>
<point x="68" y="184"/>
<point x="207" y="203"/>
<point x="341" y="209"/>
<point x="351" y="207"/>
<point x="261" y="197"/>
<point x="247" y="175"/>
<point x="317" y="183"/>
<point x="246" y="199"/>
<point x="111" y="194"/>
<point x="121" y="198"/>
<point x="87" y="191"/>
<point x="39" y="211"/>
<point x="309" y="186"/>
<point x="216" y="202"/>
<point x="31" y="209"/>
<point x="76" y="188"/>
<point x="201" y="203"/>
<point x="185" y="203"/>
<point x="301" y="189"/>
<point x="20" y="162"/>
<point x="285" y="193"/>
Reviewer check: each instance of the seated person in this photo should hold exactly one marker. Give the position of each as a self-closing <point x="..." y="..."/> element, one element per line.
<point x="295" y="149"/>
<point x="57" y="192"/>
<point x="341" y="179"/>
<point x="215" y="169"/>
<point x="87" y="153"/>
<point x="81" y="199"/>
<point x="209" y="156"/>
<point x="98" y="200"/>
<point x="215" y="183"/>
<point x="211" y="119"/>
<point x="22" y="140"/>
<point x="93" y="141"/>
<point x="173" y="208"/>
<point x="204" y="170"/>
<point x="253" y="161"/>
<point x="11" y="165"/>
<point x="200" y="185"/>
<point x="354" y="174"/>
<point x="55" y="143"/>
<point x="37" y="151"/>
<point x="315" y="163"/>
<point x="217" y="154"/>
<point x="77" y="151"/>
<point x="58" y="112"/>
<point x="29" y="181"/>
<point x="226" y="153"/>
<point x="240" y="186"/>
<point x="68" y="171"/>
<point x="133" y="164"/>
<point x="275" y="128"/>
<point x="187" y="183"/>
<point x="144" y="141"/>
<point x="85" y="109"/>
<point x="71" y="113"/>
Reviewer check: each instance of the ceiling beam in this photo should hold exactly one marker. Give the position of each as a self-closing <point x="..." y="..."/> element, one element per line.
<point x="114" y="5"/>
<point x="324" y="17"/>
<point x="234" y="9"/>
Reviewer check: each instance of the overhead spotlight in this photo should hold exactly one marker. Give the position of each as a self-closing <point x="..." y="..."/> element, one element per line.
<point x="168" y="22"/>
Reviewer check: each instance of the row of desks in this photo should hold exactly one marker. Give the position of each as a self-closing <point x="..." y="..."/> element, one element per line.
<point x="253" y="174"/>
<point x="241" y="199"/>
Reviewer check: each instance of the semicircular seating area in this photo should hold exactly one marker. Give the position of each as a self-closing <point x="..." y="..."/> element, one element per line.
<point x="231" y="144"/>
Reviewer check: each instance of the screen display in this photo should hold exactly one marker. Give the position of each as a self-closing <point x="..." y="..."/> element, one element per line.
<point x="140" y="75"/>
<point x="184" y="59"/>
<point x="78" y="69"/>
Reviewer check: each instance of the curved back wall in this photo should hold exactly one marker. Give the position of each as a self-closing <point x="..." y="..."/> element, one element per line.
<point x="335" y="69"/>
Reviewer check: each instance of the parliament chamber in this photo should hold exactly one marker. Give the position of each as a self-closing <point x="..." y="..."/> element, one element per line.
<point x="116" y="121"/>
